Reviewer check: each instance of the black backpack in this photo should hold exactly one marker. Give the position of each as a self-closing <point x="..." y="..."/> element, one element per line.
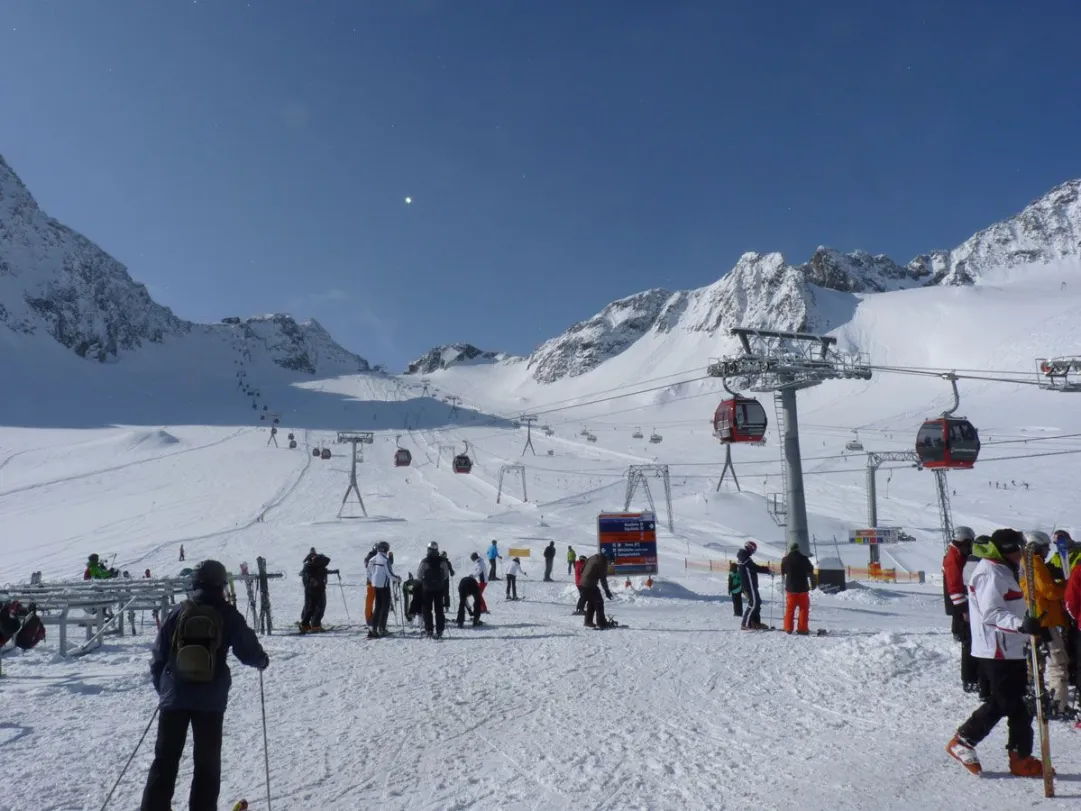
<point x="197" y="642"/>
<point x="431" y="576"/>
<point x="32" y="632"/>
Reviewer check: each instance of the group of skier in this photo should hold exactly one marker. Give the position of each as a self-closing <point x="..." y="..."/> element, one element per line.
<point x="798" y="573"/>
<point x="988" y="590"/>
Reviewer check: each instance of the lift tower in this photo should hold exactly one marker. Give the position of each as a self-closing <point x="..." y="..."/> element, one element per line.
<point x="354" y="438"/>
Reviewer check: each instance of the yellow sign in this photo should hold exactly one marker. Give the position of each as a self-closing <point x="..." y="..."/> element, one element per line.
<point x="517" y="553"/>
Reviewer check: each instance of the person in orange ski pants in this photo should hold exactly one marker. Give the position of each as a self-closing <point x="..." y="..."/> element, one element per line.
<point x="796" y="569"/>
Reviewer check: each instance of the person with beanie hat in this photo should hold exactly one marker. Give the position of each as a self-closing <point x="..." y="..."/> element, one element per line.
<point x="797" y="571"/>
<point x="999" y="626"/>
<point x="189" y="671"/>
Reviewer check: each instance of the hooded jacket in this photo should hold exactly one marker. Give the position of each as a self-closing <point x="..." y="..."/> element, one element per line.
<point x="797" y="571"/>
<point x="996" y="607"/>
<point x="596" y="572"/>
<point x="1049" y="595"/>
<point x="380" y="571"/>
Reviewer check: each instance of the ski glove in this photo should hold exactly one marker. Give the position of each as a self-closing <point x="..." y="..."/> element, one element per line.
<point x="1031" y="625"/>
<point x="263" y="665"/>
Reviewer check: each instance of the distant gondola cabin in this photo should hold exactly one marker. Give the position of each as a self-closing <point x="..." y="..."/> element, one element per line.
<point x="325" y="453"/>
<point x="462" y="464"/>
<point x="402" y="458"/>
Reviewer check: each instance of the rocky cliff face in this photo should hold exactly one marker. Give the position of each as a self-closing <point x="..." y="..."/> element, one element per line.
<point x="56" y="283"/>
<point x="443" y="357"/>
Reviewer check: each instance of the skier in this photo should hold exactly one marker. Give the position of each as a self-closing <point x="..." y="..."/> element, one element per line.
<point x="549" y="560"/>
<point x="511" y="574"/>
<point x="95" y="569"/>
<point x="996" y="610"/>
<point x="1052" y="618"/>
<point x="748" y="577"/>
<point x="1061" y="538"/>
<point x="578" y="566"/>
<point x="493" y="556"/>
<point x="469" y="587"/>
<point x="381" y="575"/>
<point x="446" y="588"/>
<point x="181" y="552"/>
<point x="735" y="588"/>
<point x="956" y="601"/>
<point x="433" y="577"/>
<point x="411" y="594"/>
<point x="482" y="581"/>
<point x="314" y="577"/>
<point x="595" y="575"/>
<point x="191" y="676"/>
<point x="572" y="558"/>
<point x="797" y="571"/>
<point x="1073" y="608"/>
<point x="369" y="594"/>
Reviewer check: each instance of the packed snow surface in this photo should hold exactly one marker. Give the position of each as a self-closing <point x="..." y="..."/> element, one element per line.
<point x="679" y="709"/>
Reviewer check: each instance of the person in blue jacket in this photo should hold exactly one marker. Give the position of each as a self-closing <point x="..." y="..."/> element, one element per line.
<point x="493" y="556"/>
<point x="189" y="672"/>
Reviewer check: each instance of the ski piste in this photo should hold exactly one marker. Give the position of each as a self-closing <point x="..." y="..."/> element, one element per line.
<point x="1038" y="680"/>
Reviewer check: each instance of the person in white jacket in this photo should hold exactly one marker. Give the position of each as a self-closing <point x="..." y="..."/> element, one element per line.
<point x="1000" y="629"/>
<point x="480" y="575"/>
<point x="511" y="574"/>
<point x="381" y="576"/>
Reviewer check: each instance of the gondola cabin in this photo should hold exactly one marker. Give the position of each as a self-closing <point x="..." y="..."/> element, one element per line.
<point x="741" y="419"/>
<point x="948" y="442"/>
<point x="325" y="453"/>
<point x="315" y="452"/>
<point x="462" y="463"/>
<point x="402" y="458"/>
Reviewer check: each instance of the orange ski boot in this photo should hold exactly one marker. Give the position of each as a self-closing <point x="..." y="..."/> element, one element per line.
<point x="965" y="753"/>
<point x="1028" y="766"/>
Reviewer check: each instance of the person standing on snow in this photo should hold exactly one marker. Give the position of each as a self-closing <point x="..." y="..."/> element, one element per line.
<point x="511" y="574"/>
<point x="369" y="591"/>
<point x="797" y="571"/>
<point x="1052" y="616"/>
<point x="468" y="587"/>
<point x="1073" y="608"/>
<point x="381" y="575"/>
<point x="578" y="566"/>
<point x="1060" y="538"/>
<point x="190" y="674"/>
<point x="996" y="610"/>
<point x="595" y="575"/>
<point x="482" y="582"/>
<point x="493" y="556"/>
<point x="549" y="560"/>
<point x="956" y="601"/>
<point x="446" y="589"/>
<point x="748" y="576"/>
<point x="572" y="558"/>
<point x="735" y="588"/>
<point x="314" y="577"/>
<point x="433" y="577"/>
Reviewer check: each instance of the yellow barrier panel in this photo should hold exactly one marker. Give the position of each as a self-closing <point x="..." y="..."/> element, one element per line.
<point x="515" y="552"/>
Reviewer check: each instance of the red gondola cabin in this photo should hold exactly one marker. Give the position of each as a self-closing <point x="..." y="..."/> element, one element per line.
<point x="948" y="442"/>
<point x="741" y="419"/>
<point x="462" y="463"/>
<point x="402" y="458"/>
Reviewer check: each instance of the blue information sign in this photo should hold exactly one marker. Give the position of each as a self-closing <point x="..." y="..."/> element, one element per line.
<point x="631" y="538"/>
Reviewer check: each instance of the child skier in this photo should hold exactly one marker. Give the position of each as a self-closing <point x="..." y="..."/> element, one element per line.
<point x="735" y="588"/>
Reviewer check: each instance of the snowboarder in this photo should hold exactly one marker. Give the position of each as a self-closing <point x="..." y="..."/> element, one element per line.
<point x="748" y="577"/>
<point x="735" y="588"/>
<point x="595" y="575"/>
<point x="314" y="577"/>
<point x="1052" y="616"/>
<point x="511" y="574"/>
<point x="493" y="556"/>
<point x="446" y="588"/>
<point x="796" y="569"/>
<point x="572" y="558"/>
<point x="433" y="577"/>
<point x="549" y="560"/>
<point x="578" y="566"/>
<point x="481" y="579"/>
<point x="955" y="594"/>
<point x="469" y="587"/>
<point x="999" y="626"/>
<point x="191" y="676"/>
<point x="381" y="575"/>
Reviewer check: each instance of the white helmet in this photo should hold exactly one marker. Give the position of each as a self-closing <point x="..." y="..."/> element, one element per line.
<point x="964" y="534"/>
<point x="1035" y="537"/>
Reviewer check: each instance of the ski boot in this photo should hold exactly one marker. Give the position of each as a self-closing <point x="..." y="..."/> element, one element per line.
<point x="962" y="751"/>
<point x="1025" y="766"/>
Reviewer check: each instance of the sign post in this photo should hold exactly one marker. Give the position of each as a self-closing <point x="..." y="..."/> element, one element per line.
<point x="631" y="540"/>
<point x="872" y="537"/>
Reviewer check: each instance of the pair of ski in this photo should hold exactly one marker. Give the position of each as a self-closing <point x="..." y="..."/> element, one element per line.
<point x="1037" y="680"/>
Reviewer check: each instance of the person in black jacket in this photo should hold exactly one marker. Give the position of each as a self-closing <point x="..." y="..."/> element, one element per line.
<point x="433" y="577"/>
<point x="468" y="587"/>
<point x="748" y="575"/>
<point x="549" y="560"/>
<point x="190" y="674"/>
<point x="446" y="587"/>
<point x="797" y="571"/>
<point x="594" y="576"/>
<point x="314" y="577"/>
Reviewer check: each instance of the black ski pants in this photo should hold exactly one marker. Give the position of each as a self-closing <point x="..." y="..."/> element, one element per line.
<point x="737" y="604"/>
<point x="1008" y="680"/>
<point x="581" y="601"/>
<point x="433" y="600"/>
<point x="752" y="613"/>
<point x="464" y="593"/>
<point x="206" y="730"/>
<point x="446" y="595"/>
<point x="491" y="569"/>
<point x="512" y="586"/>
<point x="315" y="604"/>
<point x="970" y="667"/>
<point x="548" y="563"/>
<point x="381" y="611"/>
<point x="594" y="605"/>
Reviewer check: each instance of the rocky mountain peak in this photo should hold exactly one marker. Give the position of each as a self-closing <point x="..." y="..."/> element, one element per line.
<point x="443" y="357"/>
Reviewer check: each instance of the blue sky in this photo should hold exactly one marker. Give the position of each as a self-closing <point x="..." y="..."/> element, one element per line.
<point x="250" y="157"/>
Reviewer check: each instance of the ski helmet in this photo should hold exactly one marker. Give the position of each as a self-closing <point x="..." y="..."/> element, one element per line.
<point x="209" y="574"/>
<point x="93" y="557"/>
<point x="433" y="547"/>
<point x="1007" y="541"/>
<point x="383" y="547"/>
<point x="963" y="535"/>
<point x="474" y="556"/>
<point x="1035" y="537"/>
<point x="751" y="547"/>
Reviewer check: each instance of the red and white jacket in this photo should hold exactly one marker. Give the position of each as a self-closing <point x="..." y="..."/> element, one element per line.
<point x="953" y="575"/>
<point x="996" y="607"/>
<point x="1073" y="594"/>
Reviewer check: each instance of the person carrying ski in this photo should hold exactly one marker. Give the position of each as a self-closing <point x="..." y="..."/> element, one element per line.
<point x="748" y="577"/>
<point x="579" y="564"/>
<point x="797" y="571"/>
<point x="549" y="560"/>
<point x="433" y="577"/>
<point x="469" y="587"/>
<point x="446" y="588"/>
<point x="95" y="569"/>
<point x="314" y="577"/>
<point x="595" y="575"/>
<point x="511" y="574"/>
<point x="482" y="581"/>
<point x="191" y="676"/>
<point x="411" y="595"/>
<point x="996" y="611"/>
<point x="735" y="588"/>
<point x="493" y="556"/>
<point x="572" y="558"/>
<point x="955" y="594"/>
<point x="381" y="575"/>
<point x="1052" y="616"/>
<point x="1062" y="540"/>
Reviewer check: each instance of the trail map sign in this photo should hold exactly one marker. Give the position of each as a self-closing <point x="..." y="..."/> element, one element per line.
<point x="875" y="535"/>
<point x="632" y="540"/>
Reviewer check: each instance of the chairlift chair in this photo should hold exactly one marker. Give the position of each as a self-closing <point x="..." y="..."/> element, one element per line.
<point x="637" y="434"/>
<point x="948" y="442"/>
<point x="654" y="437"/>
<point x="591" y="438"/>
<point x="854" y="444"/>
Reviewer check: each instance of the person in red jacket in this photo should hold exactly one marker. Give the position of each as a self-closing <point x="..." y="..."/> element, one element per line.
<point x="1072" y="599"/>
<point x="578" y="566"/>
<point x="956" y="596"/>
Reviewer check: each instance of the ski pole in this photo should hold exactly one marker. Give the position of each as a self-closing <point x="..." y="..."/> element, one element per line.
<point x="266" y="754"/>
<point x="123" y="771"/>
<point x="344" y="601"/>
<point x="772" y="597"/>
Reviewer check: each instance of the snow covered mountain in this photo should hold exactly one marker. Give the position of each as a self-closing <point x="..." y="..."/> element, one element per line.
<point x="55" y="283"/>
<point x="443" y="357"/>
<point x="764" y="291"/>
